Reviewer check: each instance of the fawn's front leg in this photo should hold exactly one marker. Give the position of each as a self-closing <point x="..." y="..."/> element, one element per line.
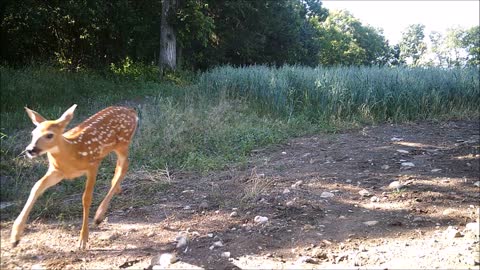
<point x="87" y="202"/>
<point x="51" y="178"/>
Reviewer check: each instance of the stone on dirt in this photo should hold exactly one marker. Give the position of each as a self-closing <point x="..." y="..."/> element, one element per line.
<point x="371" y="223"/>
<point x="364" y="193"/>
<point x="473" y="227"/>
<point x="260" y="220"/>
<point x="385" y="167"/>
<point x="448" y="211"/>
<point x="408" y="164"/>
<point x="161" y="261"/>
<point x="477" y="184"/>
<point x="395" y="185"/>
<point x="216" y="244"/>
<point x="306" y="259"/>
<point x="225" y="254"/>
<point x="109" y="237"/>
<point x="286" y="191"/>
<point x="402" y="151"/>
<point x="451" y="233"/>
<point x="203" y="205"/>
<point x="326" y="194"/>
<point x="182" y="242"/>
<point x="38" y="267"/>
<point x="297" y="184"/>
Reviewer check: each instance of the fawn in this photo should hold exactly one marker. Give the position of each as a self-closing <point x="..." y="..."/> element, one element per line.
<point x="78" y="152"/>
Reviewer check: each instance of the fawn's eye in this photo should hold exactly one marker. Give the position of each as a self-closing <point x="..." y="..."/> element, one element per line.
<point x="49" y="136"/>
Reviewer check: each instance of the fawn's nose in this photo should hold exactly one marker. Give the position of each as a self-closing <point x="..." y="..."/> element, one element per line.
<point x="32" y="151"/>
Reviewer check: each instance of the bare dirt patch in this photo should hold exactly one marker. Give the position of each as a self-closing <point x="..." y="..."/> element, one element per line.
<point x="329" y="201"/>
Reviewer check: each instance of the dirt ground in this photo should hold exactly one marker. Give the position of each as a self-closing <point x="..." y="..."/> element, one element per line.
<point x="329" y="201"/>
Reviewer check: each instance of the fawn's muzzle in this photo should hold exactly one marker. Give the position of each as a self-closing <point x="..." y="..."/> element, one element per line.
<point x="32" y="151"/>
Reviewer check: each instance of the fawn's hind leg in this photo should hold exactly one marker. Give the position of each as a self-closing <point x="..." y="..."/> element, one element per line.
<point x="120" y="171"/>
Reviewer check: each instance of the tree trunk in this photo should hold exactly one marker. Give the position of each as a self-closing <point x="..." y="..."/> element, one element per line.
<point x="168" y="40"/>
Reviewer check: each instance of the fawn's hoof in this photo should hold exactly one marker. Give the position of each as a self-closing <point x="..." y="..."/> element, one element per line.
<point x="97" y="222"/>
<point x="15" y="243"/>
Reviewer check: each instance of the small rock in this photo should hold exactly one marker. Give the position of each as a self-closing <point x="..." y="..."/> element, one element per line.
<point x="216" y="244"/>
<point x="385" y="167"/>
<point x="448" y="211"/>
<point x="203" y="205"/>
<point x="473" y="227"/>
<point x="319" y="253"/>
<point x="305" y="259"/>
<point x="284" y="153"/>
<point x="234" y="214"/>
<point x="417" y="219"/>
<point x="374" y="199"/>
<point x="451" y="233"/>
<point x="364" y="193"/>
<point x="187" y="207"/>
<point x="297" y="184"/>
<point x="109" y="237"/>
<point x="151" y="234"/>
<point x="38" y="267"/>
<point x="188" y="191"/>
<point x="396" y="139"/>
<point x="225" y="254"/>
<point x="289" y="203"/>
<point x="371" y="223"/>
<point x="260" y="220"/>
<point x="395" y="185"/>
<point x="308" y="227"/>
<point x="210" y="235"/>
<point x="326" y="194"/>
<point x="402" y="151"/>
<point x="361" y="259"/>
<point x="477" y="184"/>
<point x="163" y="260"/>
<point x="286" y="191"/>
<point x="408" y="164"/>
<point x="181" y="242"/>
<point x="341" y="257"/>
<point x="435" y="170"/>
<point x="348" y="181"/>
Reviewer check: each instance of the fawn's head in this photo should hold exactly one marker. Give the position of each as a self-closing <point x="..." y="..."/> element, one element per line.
<point x="48" y="133"/>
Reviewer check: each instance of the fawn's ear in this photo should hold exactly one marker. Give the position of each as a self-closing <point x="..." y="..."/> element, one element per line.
<point x="67" y="116"/>
<point x="34" y="116"/>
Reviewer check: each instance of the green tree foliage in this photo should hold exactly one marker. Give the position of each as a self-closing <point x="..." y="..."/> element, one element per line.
<point x="126" y="33"/>
<point x="457" y="48"/>
<point x="346" y="41"/>
<point x="79" y="32"/>
<point x="412" y="44"/>
<point x="471" y="42"/>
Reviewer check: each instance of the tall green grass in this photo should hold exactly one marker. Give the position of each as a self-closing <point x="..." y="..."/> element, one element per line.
<point x="350" y="93"/>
